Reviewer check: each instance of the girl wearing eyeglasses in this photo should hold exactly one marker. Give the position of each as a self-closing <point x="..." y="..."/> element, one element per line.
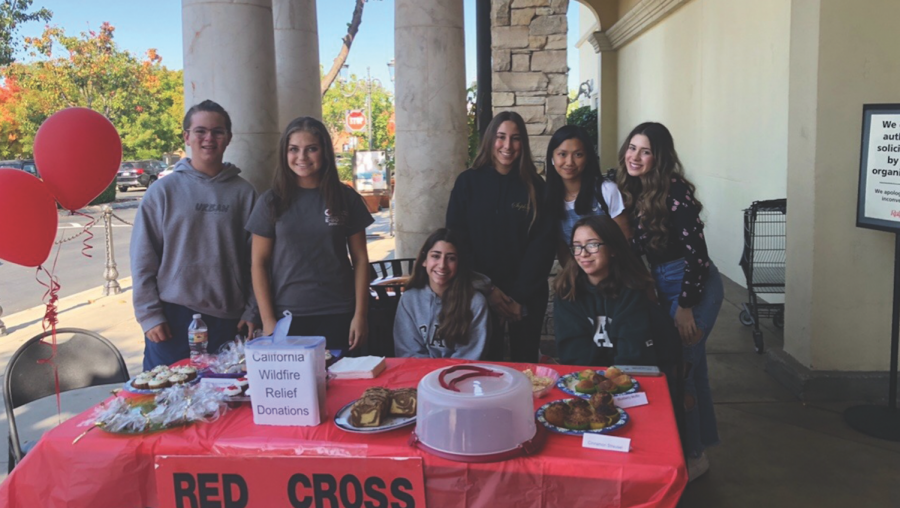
<point x="440" y="314"/>
<point x="303" y="229"/>
<point x="601" y="313"/>
<point x="576" y="187"/>
<point x="666" y="212"/>
<point x="496" y="208"/>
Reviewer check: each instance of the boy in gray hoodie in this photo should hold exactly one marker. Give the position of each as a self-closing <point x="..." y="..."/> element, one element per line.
<point x="190" y="253"/>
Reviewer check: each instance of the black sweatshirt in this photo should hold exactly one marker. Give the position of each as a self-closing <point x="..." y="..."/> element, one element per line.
<point x="601" y="331"/>
<point x="491" y="213"/>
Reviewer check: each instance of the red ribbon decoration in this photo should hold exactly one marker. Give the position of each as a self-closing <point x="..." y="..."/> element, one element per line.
<point x="87" y="231"/>
<point x="51" y="296"/>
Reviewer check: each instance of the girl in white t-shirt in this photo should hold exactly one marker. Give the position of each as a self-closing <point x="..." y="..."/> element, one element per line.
<point x="576" y="187"/>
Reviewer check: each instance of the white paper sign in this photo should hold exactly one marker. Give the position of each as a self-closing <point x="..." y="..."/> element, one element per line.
<point x="287" y="378"/>
<point x="631" y="400"/>
<point x="604" y="442"/>
<point x="878" y="202"/>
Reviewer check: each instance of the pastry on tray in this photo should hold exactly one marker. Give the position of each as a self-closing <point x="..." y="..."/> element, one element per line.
<point x="403" y="402"/>
<point x="368" y="411"/>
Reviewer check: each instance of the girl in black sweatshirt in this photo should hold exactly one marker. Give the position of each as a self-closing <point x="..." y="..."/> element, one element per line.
<point x="601" y="313"/>
<point x="494" y="207"/>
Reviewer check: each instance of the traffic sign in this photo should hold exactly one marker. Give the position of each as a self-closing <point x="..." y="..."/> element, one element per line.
<point x="355" y="120"/>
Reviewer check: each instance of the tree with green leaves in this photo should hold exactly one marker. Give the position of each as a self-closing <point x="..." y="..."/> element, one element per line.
<point x="12" y="14"/>
<point x="337" y="102"/>
<point x="141" y="98"/>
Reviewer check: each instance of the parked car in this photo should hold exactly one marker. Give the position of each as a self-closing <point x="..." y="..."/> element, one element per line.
<point x="138" y="174"/>
<point x="26" y="165"/>
<point x="167" y="171"/>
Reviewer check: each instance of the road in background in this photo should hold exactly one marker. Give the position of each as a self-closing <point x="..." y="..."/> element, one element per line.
<point x="76" y="273"/>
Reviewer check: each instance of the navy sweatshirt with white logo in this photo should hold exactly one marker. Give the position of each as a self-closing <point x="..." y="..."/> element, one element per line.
<point x="601" y="331"/>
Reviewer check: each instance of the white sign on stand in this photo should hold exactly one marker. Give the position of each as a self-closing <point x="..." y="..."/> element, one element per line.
<point x="287" y="378"/>
<point x="879" y="172"/>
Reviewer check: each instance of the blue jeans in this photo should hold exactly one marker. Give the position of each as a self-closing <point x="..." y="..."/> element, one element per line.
<point x="177" y="348"/>
<point x="700" y="419"/>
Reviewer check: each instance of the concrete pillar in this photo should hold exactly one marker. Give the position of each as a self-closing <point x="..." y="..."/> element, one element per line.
<point x="839" y="283"/>
<point x="229" y="57"/>
<point x="431" y="139"/>
<point x="297" y="60"/>
<point x="608" y="109"/>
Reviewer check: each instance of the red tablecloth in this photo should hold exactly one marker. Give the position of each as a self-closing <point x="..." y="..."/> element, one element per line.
<point x="104" y="470"/>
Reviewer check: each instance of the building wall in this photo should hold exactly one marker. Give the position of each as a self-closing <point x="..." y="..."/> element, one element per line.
<point x="839" y="276"/>
<point x="715" y="72"/>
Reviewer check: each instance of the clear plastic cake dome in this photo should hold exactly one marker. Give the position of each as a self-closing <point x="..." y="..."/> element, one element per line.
<point x="476" y="413"/>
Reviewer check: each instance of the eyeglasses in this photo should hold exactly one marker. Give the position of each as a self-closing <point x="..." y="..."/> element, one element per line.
<point x="202" y="133"/>
<point x="591" y="248"/>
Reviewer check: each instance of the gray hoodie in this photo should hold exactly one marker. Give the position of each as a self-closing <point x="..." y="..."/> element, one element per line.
<point x="189" y="246"/>
<point x="417" y="321"/>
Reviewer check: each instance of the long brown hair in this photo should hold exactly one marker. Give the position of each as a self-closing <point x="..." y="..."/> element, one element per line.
<point x="625" y="269"/>
<point x="526" y="168"/>
<point x="645" y="196"/>
<point x="456" y="302"/>
<point x="284" y="183"/>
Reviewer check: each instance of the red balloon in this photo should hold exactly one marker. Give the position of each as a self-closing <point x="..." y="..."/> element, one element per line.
<point x="28" y="218"/>
<point x="77" y="152"/>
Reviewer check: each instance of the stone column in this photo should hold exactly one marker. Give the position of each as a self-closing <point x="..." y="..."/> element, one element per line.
<point x="297" y="60"/>
<point x="530" y="67"/>
<point x="431" y="140"/>
<point x="229" y="57"/>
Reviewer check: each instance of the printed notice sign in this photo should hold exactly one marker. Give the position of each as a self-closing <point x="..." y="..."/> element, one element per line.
<point x="879" y="172"/>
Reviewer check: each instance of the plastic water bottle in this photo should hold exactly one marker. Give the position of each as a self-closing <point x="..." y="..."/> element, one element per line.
<point x="198" y="335"/>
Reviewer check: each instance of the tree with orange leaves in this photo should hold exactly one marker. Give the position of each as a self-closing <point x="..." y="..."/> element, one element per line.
<point x="142" y="98"/>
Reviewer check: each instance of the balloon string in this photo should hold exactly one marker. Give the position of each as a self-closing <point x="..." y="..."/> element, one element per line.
<point x="51" y="296"/>
<point x="87" y="232"/>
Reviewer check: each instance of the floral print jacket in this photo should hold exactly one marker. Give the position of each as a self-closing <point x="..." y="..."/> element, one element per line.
<point x="686" y="240"/>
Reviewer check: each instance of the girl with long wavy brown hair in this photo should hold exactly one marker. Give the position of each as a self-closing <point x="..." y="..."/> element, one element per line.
<point x="303" y="229"/>
<point x="440" y="314"/>
<point x="668" y="229"/>
<point x="496" y="209"/>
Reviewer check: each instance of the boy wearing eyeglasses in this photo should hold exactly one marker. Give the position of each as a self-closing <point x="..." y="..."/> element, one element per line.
<point x="190" y="253"/>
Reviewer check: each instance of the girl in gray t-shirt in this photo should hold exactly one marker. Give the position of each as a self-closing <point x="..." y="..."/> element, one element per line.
<point x="302" y="231"/>
<point x="440" y="314"/>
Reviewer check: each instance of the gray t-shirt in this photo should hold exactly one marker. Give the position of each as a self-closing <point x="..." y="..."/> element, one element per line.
<point x="311" y="273"/>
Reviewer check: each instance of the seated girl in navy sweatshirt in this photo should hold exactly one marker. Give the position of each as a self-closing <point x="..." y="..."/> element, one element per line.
<point x="601" y="312"/>
<point x="440" y="314"/>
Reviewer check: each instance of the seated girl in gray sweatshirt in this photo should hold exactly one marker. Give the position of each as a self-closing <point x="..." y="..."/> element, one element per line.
<point x="440" y="314"/>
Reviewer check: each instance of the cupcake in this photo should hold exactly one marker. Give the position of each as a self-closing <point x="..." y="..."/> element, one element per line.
<point x="243" y="384"/>
<point x="159" y="369"/>
<point x="158" y="383"/>
<point x="189" y="371"/>
<point x="177" y="379"/>
<point x="141" y="382"/>
<point x="232" y="391"/>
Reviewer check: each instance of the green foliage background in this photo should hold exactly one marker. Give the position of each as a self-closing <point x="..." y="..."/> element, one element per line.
<point x="140" y="96"/>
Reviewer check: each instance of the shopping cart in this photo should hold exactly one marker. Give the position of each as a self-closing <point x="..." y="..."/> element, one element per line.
<point x="763" y="264"/>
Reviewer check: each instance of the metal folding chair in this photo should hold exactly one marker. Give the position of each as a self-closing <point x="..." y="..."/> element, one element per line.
<point x="83" y="359"/>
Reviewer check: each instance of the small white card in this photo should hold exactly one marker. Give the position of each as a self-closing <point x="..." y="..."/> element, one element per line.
<point x="219" y="382"/>
<point x="631" y="400"/>
<point x="604" y="442"/>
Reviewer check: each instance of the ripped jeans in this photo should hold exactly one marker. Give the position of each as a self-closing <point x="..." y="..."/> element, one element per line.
<point x="700" y="417"/>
